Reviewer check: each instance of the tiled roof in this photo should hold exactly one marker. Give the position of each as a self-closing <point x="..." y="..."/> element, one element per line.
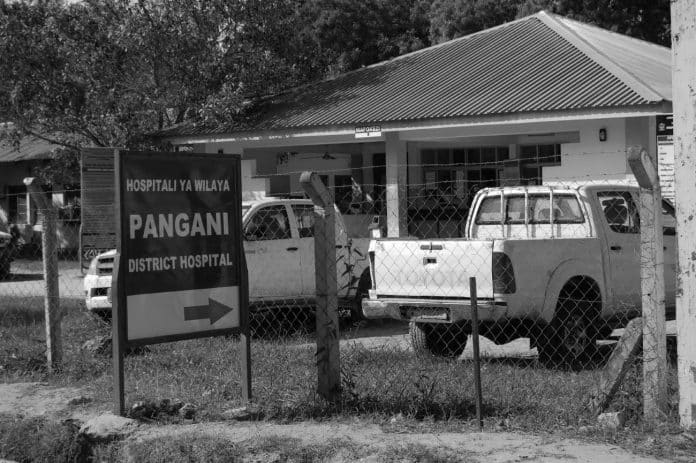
<point x="540" y="63"/>
<point x="30" y="149"/>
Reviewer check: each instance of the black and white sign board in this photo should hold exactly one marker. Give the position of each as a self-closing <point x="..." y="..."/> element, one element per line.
<point x="180" y="272"/>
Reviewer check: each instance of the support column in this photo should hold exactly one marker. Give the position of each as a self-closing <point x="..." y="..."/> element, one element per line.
<point x="684" y="103"/>
<point x="397" y="197"/>
<point x="368" y="177"/>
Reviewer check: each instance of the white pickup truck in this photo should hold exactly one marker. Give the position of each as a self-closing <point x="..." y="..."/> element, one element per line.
<point x="279" y="250"/>
<point x="558" y="265"/>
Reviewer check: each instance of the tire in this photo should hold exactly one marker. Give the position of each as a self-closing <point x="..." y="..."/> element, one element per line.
<point x="441" y="340"/>
<point x="364" y="285"/>
<point x="4" y="269"/>
<point x="570" y="341"/>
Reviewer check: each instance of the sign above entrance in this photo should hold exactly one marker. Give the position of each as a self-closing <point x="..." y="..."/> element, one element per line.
<point x="368" y="131"/>
<point x="181" y="266"/>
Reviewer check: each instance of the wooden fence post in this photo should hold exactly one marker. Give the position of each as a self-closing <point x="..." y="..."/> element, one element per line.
<point x="50" y="269"/>
<point x="652" y="278"/>
<point x="328" y="355"/>
<point x="683" y="13"/>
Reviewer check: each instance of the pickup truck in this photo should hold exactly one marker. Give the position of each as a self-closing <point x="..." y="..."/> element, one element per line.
<point x="559" y="265"/>
<point x="279" y="251"/>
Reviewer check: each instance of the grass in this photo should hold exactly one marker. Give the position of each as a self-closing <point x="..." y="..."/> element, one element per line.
<point x="41" y="440"/>
<point x="378" y="385"/>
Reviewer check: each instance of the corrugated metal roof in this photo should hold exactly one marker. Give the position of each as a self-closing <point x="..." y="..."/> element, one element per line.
<point x="650" y="63"/>
<point x="30" y="149"/>
<point x="536" y="64"/>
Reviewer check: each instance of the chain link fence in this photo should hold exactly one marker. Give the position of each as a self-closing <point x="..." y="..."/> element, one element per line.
<point x="557" y="269"/>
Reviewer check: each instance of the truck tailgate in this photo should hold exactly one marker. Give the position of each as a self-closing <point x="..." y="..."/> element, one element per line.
<point x="432" y="268"/>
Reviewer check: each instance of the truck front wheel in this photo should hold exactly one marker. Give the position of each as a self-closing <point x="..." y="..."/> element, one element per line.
<point x="442" y="340"/>
<point x="4" y="268"/>
<point x="364" y="285"/>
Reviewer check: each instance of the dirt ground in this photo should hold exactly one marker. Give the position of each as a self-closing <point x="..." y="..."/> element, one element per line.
<point x="38" y="399"/>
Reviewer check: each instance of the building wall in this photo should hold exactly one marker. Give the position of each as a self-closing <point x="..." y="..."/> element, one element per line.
<point x="593" y="160"/>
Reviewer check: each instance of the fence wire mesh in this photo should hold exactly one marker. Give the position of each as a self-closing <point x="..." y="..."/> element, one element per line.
<point x="557" y="269"/>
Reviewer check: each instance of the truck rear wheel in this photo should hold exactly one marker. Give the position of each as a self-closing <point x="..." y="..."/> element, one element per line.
<point x="442" y="340"/>
<point x="570" y="340"/>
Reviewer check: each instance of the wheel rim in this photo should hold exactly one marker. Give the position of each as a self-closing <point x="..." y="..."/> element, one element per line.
<point x="576" y="335"/>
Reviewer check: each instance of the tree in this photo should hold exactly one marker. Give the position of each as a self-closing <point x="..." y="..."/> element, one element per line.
<point x="349" y="34"/>
<point x="108" y="72"/>
<point x="644" y="19"/>
<point x="455" y="18"/>
<point x="103" y="73"/>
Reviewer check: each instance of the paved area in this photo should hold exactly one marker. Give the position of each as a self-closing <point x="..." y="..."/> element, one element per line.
<point x="26" y="280"/>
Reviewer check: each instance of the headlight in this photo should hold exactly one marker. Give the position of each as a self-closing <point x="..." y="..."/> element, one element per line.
<point x="92" y="270"/>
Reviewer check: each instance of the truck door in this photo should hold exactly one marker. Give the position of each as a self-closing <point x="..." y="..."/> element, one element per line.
<point x="621" y="225"/>
<point x="272" y="254"/>
<point x="304" y="214"/>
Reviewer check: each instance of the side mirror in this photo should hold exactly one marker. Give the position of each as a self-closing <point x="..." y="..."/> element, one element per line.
<point x="375" y="230"/>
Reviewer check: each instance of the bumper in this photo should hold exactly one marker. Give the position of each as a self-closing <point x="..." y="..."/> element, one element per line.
<point x="98" y="303"/>
<point x="433" y="311"/>
<point x="97" y="293"/>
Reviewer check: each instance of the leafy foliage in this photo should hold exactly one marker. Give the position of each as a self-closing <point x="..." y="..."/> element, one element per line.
<point x="455" y="18"/>
<point x="355" y="33"/>
<point x="103" y="73"/>
<point x="644" y="19"/>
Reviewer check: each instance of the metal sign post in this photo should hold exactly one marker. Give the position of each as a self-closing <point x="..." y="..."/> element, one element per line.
<point x="180" y="270"/>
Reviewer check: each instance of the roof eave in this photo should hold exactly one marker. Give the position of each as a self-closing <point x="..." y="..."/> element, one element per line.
<point x="345" y="133"/>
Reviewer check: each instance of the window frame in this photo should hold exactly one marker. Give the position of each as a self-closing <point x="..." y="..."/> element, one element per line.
<point x="527" y="219"/>
<point x="278" y="208"/>
<point x="631" y="205"/>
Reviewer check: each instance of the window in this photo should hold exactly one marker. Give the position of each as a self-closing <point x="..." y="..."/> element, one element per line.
<point x="17" y="207"/>
<point x="461" y="172"/>
<point x="305" y="220"/>
<point x="620" y="211"/>
<point x="268" y="223"/>
<point x="541" y="155"/>
<point x="534" y="157"/>
<point x="566" y="209"/>
<point x="489" y="211"/>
